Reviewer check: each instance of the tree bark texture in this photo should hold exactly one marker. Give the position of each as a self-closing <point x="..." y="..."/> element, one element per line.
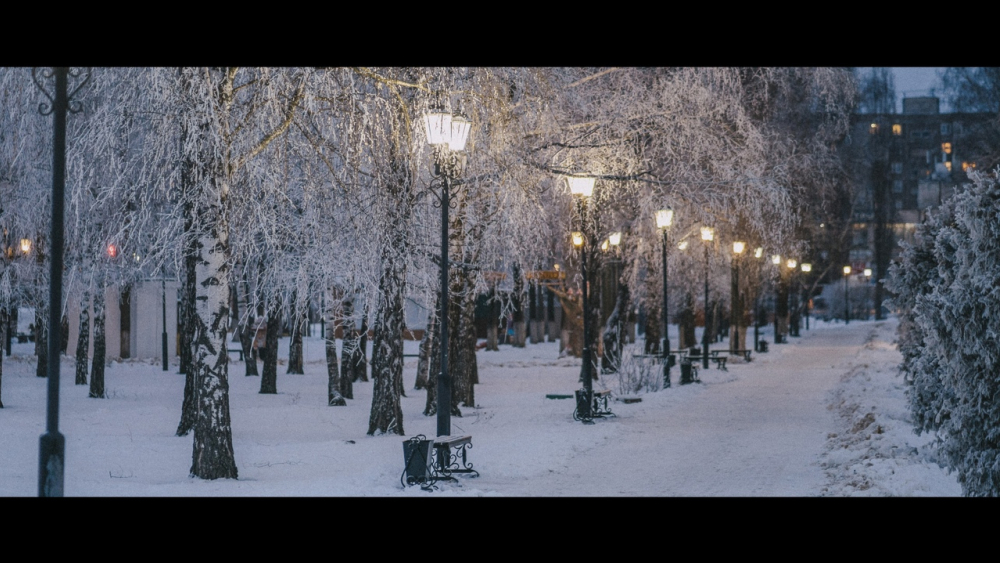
<point x="41" y="342"/>
<point x="334" y="397"/>
<point x="83" y="340"/>
<point x="424" y="360"/>
<point x="100" y="345"/>
<point x="613" y="333"/>
<point x="387" y="350"/>
<point x="298" y="321"/>
<point x="269" y="376"/>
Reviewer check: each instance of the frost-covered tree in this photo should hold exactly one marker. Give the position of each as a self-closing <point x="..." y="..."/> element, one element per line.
<point x="956" y="308"/>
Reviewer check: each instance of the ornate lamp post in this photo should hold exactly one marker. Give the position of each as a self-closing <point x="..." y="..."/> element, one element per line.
<point x="707" y="235"/>
<point x="847" y="297"/>
<point x="776" y="261"/>
<point x="52" y="445"/>
<point x="448" y="134"/>
<point x="735" y="305"/>
<point x="806" y="268"/>
<point x="664" y="217"/>
<point x="582" y="188"/>
<point x="793" y="291"/>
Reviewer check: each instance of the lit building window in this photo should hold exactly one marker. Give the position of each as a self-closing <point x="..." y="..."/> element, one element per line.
<point x="947" y="165"/>
<point x="946" y="147"/>
<point x="897" y="129"/>
<point x="966" y="166"/>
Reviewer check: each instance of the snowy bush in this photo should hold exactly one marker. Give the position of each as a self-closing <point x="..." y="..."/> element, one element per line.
<point x="950" y="281"/>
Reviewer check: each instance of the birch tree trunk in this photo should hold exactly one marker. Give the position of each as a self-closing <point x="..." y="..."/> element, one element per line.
<point x="41" y="342"/>
<point x="349" y="351"/>
<point x="334" y="397"/>
<point x="100" y="343"/>
<point x="83" y="341"/>
<point x="424" y="360"/>
<point x="269" y="376"/>
<point x="297" y="319"/>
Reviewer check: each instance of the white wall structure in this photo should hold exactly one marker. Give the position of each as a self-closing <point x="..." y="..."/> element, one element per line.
<point x="145" y="326"/>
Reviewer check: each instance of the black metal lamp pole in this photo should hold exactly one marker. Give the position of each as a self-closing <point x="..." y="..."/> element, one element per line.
<point x="663" y="219"/>
<point x="444" y="379"/>
<point x="447" y="133"/>
<point x="666" y="317"/>
<point x="847" y="297"/>
<point x="586" y="370"/>
<point x="52" y="445"/>
<point x="706" y="236"/>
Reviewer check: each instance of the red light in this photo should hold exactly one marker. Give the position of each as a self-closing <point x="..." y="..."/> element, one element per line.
<point x="112" y="250"/>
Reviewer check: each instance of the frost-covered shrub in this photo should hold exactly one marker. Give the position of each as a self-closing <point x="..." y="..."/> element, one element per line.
<point x="954" y="355"/>
<point x="912" y="278"/>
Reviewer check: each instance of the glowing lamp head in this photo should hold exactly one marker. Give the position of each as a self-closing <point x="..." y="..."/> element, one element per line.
<point x="112" y="251"/>
<point x="580" y="185"/>
<point x="615" y="238"/>
<point x="758" y="252"/>
<point x="776" y="259"/>
<point x="792" y="263"/>
<point x="868" y="272"/>
<point x="807" y="267"/>
<point x="707" y="234"/>
<point x="682" y="245"/>
<point x="437" y="122"/>
<point x="604" y="245"/>
<point x="577" y="239"/>
<point x="847" y="270"/>
<point x="738" y="247"/>
<point x="664" y="217"/>
<point x="25" y="245"/>
<point x="460" y="128"/>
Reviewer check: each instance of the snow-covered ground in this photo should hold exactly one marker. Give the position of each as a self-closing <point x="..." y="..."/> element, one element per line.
<point x="824" y="415"/>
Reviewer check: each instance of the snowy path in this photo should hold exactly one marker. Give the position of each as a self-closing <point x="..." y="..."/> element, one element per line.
<point x="761" y="434"/>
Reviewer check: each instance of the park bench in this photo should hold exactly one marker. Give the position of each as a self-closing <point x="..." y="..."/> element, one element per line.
<point x="694" y="356"/>
<point x="235" y="347"/>
<point x="744" y="353"/>
<point x="448" y="451"/>
<point x="600" y="407"/>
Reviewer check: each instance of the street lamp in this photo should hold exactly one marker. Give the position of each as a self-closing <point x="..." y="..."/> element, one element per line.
<point x="847" y="306"/>
<point x="582" y="188"/>
<point x="776" y="261"/>
<point x="26" y="246"/>
<point x="447" y="133"/>
<point x="806" y="268"/>
<point x="793" y="290"/>
<point x="664" y="217"/>
<point x="707" y="235"/>
<point x="735" y="306"/>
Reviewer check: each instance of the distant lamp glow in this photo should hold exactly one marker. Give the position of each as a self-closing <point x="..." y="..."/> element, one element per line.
<point x="615" y="238"/>
<point x="807" y="267"/>
<point x="577" y="238"/>
<point x="776" y="259"/>
<point x="25" y="245"/>
<point x="759" y="252"/>
<point x="682" y="245"/>
<point x="580" y="185"/>
<point x="707" y="234"/>
<point x="664" y="217"/>
<point x="868" y="272"/>
<point x="112" y="251"/>
<point x="555" y="267"/>
<point x="792" y="263"/>
<point x="604" y="245"/>
<point x="847" y="270"/>
<point x="738" y="247"/>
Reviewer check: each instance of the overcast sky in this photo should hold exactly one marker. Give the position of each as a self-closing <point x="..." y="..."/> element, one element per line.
<point x="916" y="81"/>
